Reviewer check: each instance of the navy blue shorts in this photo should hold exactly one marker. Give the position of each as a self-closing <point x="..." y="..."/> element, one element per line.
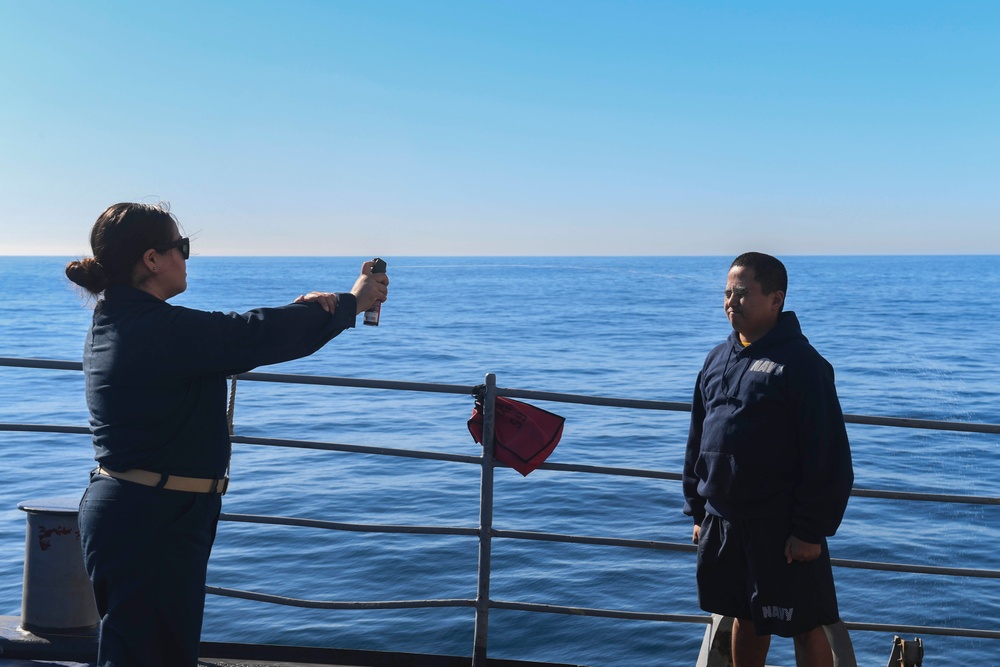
<point x="146" y="551"/>
<point x="743" y="573"/>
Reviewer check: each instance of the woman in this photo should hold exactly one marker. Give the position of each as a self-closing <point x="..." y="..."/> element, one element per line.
<point x="156" y="390"/>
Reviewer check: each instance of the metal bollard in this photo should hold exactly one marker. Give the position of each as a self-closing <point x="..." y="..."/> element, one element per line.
<point x="716" y="650"/>
<point x="56" y="596"/>
<point x="906" y="653"/>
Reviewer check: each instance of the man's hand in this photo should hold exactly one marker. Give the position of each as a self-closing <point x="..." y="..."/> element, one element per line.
<point x="796" y="549"/>
<point x="696" y="535"/>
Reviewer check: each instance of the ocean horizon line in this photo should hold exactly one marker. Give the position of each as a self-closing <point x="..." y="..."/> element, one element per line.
<point x="567" y="256"/>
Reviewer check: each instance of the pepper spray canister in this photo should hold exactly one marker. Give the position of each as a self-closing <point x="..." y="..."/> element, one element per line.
<point x="372" y="314"/>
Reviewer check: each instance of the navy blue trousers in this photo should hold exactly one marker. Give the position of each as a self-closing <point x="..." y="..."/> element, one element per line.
<point x="146" y="551"/>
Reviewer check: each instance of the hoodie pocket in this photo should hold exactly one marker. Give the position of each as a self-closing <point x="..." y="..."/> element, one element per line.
<point x="725" y="477"/>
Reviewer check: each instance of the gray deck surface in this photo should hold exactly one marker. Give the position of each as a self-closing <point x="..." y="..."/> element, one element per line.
<point x="210" y="662"/>
<point x="23" y="649"/>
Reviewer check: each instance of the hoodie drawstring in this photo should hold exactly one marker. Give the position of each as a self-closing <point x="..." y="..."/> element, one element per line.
<point x="731" y="395"/>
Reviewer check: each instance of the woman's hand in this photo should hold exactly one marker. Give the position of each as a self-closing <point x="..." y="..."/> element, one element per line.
<point x="328" y="300"/>
<point x="370" y="287"/>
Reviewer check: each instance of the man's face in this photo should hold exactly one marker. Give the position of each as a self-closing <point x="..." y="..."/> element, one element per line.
<point x="751" y="312"/>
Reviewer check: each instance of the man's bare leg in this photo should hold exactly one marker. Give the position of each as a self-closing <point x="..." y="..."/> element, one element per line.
<point x="749" y="648"/>
<point x="812" y="649"/>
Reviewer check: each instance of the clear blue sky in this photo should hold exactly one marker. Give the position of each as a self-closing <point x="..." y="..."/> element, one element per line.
<point x="506" y="128"/>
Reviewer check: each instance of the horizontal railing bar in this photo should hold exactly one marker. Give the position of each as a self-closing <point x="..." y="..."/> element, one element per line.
<point x="333" y="381"/>
<point x="673" y="546"/>
<point x="585" y="399"/>
<point x="932" y="424"/>
<point x="923" y="630"/>
<point x="50" y="364"/>
<point x="606" y="613"/>
<point x="360" y="449"/>
<point x="929" y="497"/>
<point x="861" y="493"/>
<point x="687" y="618"/>
<point x="605" y="470"/>
<point x="325" y="604"/>
<point x="872" y="420"/>
<point x="916" y="569"/>
<point x="587" y="539"/>
<point x="45" y="428"/>
<point x="572" y="611"/>
<point x="353" y="527"/>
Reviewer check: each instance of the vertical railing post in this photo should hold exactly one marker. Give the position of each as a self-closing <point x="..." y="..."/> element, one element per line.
<point x="485" y="525"/>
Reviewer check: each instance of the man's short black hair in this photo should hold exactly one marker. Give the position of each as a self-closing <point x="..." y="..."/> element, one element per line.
<point x="767" y="270"/>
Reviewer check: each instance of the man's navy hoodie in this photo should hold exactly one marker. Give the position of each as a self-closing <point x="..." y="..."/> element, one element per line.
<point x="767" y="436"/>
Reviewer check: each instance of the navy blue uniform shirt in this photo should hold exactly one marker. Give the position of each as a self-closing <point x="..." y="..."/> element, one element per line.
<point x="156" y="374"/>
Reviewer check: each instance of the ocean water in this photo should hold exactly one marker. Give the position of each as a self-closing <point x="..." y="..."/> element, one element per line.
<point x="908" y="336"/>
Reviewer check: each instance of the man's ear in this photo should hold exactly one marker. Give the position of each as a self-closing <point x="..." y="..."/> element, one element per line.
<point x="777" y="299"/>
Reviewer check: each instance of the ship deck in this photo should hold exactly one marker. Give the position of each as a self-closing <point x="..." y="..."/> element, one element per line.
<point x="22" y="649"/>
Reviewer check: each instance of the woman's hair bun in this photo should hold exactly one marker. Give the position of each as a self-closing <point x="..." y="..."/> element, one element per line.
<point x="88" y="274"/>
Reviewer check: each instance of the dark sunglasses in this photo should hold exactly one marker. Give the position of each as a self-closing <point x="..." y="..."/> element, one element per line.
<point x="184" y="244"/>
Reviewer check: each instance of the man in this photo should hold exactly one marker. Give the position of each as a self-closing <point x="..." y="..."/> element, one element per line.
<point x="767" y="473"/>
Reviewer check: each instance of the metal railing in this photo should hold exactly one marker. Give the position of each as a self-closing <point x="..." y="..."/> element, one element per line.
<point x="486" y="532"/>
